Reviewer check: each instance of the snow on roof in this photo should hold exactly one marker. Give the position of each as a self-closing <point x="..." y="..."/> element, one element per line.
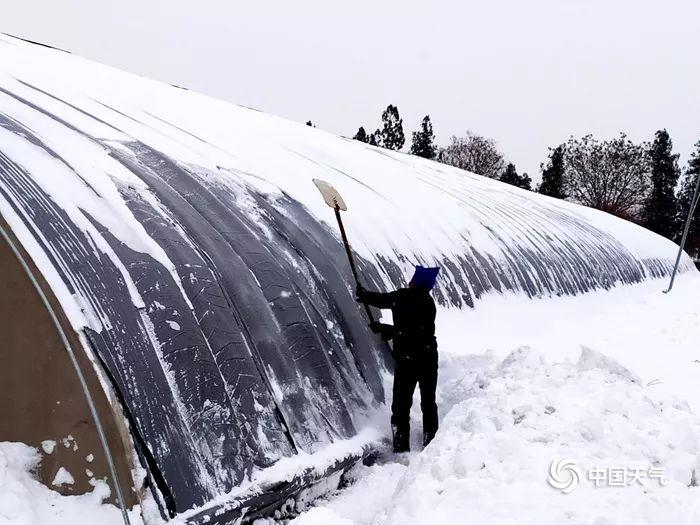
<point x="185" y="239"/>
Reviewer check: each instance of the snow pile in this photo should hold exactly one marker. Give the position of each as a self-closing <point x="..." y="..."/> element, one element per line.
<point x="521" y="415"/>
<point x="651" y="333"/>
<point x="25" y="501"/>
<point x="302" y="466"/>
<point x="490" y="461"/>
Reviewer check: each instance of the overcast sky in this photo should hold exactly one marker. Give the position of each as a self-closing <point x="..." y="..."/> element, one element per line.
<point x="527" y="73"/>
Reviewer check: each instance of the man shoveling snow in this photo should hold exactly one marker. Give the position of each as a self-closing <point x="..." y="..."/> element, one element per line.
<point x="414" y="351"/>
<point x="413" y="333"/>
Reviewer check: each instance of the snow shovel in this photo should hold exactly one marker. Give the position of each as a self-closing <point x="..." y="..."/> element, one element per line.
<point x="335" y="201"/>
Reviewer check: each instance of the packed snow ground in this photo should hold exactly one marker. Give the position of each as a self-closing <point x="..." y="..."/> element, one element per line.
<point x="608" y="379"/>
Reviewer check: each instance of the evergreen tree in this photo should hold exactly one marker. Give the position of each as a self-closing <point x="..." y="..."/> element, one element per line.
<point x="391" y="135"/>
<point x="374" y="139"/>
<point x="423" y="141"/>
<point x="309" y="123"/>
<point x="553" y="175"/>
<point x="361" y="135"/>
<point x="660" y="209"/>
<point x="685" y="198"/>
<point x="510" y="176"/>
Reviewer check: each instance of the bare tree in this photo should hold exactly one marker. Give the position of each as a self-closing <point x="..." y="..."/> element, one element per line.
<point x="612" y="175"/>
<point x="474" y="153"/>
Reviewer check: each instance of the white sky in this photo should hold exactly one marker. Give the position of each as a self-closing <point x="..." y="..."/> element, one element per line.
<point x="528" y="73"/>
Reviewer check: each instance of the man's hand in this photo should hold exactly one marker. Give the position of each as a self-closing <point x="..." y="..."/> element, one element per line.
<point x="384" y="330"/>
<point x="360" y="294"/>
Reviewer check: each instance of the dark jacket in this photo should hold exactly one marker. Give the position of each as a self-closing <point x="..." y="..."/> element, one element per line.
<point x="413" y="311"/>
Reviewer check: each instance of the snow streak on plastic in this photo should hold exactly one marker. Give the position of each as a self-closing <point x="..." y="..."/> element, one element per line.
<point x="184" y="237"/>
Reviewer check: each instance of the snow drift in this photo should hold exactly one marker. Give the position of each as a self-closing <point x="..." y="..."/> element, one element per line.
<point x="186" y="242"/>
<point x="506" y="422"/>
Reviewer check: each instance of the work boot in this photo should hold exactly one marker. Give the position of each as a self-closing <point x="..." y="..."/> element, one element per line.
<point x="401" y="439"/>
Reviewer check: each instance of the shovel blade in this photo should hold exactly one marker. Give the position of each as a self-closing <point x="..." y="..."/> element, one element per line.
<point x="330" y="195"/>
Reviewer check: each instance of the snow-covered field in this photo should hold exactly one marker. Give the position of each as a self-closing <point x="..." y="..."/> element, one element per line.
<point x="609" y="380"/>
<point x="541" y="388"/>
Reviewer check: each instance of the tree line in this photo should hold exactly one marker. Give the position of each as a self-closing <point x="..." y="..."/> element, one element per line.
<point x="642" y="183"/>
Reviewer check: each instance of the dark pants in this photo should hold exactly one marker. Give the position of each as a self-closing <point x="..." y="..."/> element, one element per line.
<point x="407" y="373"/>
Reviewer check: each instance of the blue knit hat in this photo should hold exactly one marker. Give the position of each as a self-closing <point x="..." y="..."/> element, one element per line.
<point x="425" y="277"/>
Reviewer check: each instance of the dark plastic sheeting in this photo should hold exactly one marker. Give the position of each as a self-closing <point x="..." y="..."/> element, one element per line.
<point x="250" y="373"/>
<point x="266" y="353"/>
